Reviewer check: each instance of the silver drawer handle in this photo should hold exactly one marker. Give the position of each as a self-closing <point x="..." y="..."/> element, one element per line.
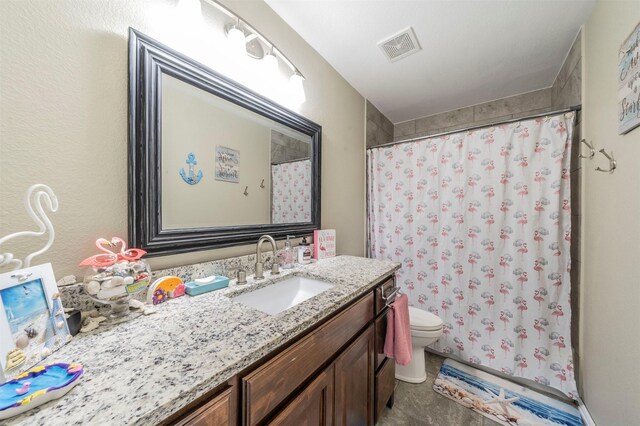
<point x="391" y="295"/>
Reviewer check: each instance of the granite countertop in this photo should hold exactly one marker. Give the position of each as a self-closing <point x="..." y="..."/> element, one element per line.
<point x="142" y="371"/>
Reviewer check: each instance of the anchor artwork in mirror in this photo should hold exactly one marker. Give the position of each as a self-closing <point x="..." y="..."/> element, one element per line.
<point x="191" y="178"/>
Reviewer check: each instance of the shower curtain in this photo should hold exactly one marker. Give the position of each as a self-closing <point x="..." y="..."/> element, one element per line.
<point x="481" y="222"/>
<point x="291" y="192"/>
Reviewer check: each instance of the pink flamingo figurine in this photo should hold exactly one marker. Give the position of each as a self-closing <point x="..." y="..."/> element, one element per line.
<point x="108" y="257"/>
<point x="132" y="254"/>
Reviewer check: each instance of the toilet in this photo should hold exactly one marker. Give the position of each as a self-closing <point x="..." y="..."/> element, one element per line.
<point x="426" y="328"/>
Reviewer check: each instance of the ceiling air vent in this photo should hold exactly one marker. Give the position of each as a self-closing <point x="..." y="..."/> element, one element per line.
<point x="400" y="45"/>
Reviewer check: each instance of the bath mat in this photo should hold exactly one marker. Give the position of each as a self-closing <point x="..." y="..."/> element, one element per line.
<point x="500" y="400"/>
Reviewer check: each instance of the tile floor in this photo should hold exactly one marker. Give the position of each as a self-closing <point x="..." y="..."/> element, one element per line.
<point x="421" y="405"/>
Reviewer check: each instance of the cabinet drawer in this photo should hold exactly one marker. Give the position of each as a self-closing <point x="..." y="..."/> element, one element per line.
<point x="217" y="412"/>
<point x="380" y="336"/>
<point x="384" y="289"/>
<point x="385" y="385"/>
<point x="269" y="385"/>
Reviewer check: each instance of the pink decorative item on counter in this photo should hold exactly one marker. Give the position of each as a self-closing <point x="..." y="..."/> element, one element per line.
<point x="116" y="274"/>
<point x="324" y="243"/>
<point x="109" y="257"/>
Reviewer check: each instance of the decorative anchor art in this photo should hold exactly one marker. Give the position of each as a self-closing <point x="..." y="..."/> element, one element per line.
<point x="191" y="178"/>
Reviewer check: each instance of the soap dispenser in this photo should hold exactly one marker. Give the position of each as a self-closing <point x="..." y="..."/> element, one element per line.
<point x="287" y="254"/>
<point x="304" y="252"/>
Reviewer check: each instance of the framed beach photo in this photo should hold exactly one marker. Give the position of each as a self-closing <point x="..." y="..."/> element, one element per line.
<point x="32" y="321"/>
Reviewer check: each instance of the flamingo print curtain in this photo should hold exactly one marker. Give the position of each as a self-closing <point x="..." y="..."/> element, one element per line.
<point x="480" y="221"/>
<point x="291" y="192"/>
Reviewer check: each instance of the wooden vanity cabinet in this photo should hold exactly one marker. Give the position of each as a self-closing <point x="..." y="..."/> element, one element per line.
<point x="221" y="410"/>
<point x="265" y="388"/>
<point x="336" y="374"/>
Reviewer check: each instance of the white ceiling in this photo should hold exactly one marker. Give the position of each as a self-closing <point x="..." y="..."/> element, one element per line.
<point x="472" y="51"/>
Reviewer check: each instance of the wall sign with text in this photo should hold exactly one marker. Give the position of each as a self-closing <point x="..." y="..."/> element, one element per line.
<point x="227" y="164"/>
<point x="629" y="83"/>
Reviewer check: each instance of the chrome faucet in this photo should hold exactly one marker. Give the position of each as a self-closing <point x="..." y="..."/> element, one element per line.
<point x="275" y="268"/>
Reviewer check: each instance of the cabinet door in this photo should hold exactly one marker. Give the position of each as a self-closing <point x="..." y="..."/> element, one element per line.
<point x="313" y="406"/>
<point x="354" y="382"/>
<point x="385" y="386"/>
<point x="268" y="386"/>
<point x="217" y="412"/>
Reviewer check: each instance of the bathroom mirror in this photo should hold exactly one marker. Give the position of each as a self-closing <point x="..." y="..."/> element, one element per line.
<point x="212" y="163"/>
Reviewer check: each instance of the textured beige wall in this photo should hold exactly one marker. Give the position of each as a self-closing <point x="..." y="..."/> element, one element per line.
<point x="611" y="287"/>
<point x="63" y="117"/>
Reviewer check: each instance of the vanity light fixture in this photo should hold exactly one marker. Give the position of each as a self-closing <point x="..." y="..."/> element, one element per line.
<point x="245" y="39"/>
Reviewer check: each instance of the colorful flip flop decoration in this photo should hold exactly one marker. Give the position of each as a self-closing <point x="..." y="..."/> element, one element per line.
<point x="37" y="386"/>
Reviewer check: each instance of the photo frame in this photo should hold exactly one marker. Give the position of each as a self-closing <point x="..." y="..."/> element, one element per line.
<point x="32" y="321"/>
<point x="227" y="164"/>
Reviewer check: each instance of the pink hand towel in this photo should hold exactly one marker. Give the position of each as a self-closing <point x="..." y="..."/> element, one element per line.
<point x="397" y="343"/>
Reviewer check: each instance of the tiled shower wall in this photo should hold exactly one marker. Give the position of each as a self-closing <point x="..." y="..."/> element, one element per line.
<point x="565" y="92"/>
<point x="286" y="148"/>
<point x="379" y="128"/>
<point x="477" y="115"/>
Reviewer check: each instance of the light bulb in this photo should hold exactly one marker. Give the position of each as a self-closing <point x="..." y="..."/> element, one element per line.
<point x="296" y="88"/>
<point x="237" y="40"/>
<point x="270" y="63"/>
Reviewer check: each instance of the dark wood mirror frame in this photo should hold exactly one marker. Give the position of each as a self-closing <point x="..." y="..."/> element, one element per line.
<point x="148" y="59"/>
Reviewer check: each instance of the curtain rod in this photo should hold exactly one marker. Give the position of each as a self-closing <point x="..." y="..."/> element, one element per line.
<point x="483" y="126"/>
<point x="291" y="161"/>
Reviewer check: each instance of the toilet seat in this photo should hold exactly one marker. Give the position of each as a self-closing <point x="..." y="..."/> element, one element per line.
<point x="426" y="334"/>
<point x="420" y="320"/>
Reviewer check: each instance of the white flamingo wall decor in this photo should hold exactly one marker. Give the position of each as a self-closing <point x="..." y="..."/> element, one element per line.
<point x="36" y="198"/>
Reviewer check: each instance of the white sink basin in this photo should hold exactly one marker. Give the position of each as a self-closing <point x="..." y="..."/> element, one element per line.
<point x="282" y="295"/>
